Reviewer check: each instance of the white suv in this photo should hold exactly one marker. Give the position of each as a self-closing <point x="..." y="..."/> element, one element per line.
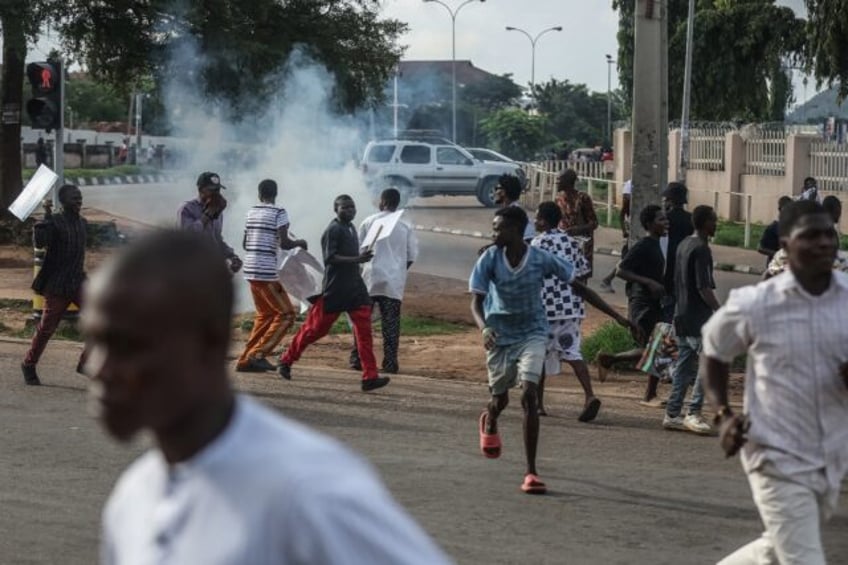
<point x="419" y="168"/>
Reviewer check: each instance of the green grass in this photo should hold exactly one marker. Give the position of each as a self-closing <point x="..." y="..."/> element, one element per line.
<point x="16" y="304"/>
<point x="67" y="331"/>
<point x="609" y="338"/>
<point x="96" y="173"/>
<point x="409" y="326"/>
<point x="732" y="234"/>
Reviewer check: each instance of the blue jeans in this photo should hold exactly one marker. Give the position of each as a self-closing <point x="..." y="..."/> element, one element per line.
<point x="683" y="375"/>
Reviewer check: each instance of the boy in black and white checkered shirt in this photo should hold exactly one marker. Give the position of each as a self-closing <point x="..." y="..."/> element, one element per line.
<point x="564" y="307"/>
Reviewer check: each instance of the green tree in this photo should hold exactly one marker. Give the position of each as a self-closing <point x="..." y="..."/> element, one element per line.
<point x="242" y="44"/>
<point x="827" y="43"/>
<point x="493" y="93"/>
<point x="94" y="101"/>
<point x="574" y="114"/>
<point x="739" y="52"/>
<point x="515" y="133"/>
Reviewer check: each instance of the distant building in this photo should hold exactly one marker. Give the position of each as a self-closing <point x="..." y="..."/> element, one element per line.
<point x="437" y="71"/>
<point x="425" y="96"/>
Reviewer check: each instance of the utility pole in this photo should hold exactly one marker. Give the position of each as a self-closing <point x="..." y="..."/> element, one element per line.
<point x="610" y="63"/>
<point x="683" y="164"/>
<point x="395" y="106"/>
<point x="650" y="108"/>
<point x="59" y="145"/>
<point x="138" y="103"/>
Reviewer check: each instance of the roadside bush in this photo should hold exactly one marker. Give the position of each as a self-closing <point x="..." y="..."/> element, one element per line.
<point x="609" y="338"/>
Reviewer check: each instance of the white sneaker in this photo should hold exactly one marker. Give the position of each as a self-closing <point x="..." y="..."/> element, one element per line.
<point x="695" y="423"/>
<point x="675" y="423"/>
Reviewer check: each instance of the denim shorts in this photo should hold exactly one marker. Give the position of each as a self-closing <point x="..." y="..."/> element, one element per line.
<point x="517" y="362"/>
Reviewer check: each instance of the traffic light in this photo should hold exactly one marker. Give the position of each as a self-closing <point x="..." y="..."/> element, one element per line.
<point x="45" y="106"/>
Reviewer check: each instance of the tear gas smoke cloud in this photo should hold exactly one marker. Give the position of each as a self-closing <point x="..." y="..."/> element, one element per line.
<point x="298" y="141"/>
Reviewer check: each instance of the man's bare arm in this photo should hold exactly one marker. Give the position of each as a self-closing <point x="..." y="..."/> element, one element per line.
<point x="709" y="297"/>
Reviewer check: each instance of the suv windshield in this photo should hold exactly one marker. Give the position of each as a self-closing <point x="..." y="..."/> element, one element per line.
<point x="380" y="153"/>
<point x="484" y="155"/>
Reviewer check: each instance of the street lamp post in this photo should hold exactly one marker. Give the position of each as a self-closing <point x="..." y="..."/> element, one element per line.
<point x="533" y="41"/>
<point x="683" y="165"/>
<point x="453" y="13"/>
<point x="609" y="97"/>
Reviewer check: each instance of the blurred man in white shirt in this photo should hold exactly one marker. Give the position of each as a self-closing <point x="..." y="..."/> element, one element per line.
<point x="794" y="433"/>
<point x="228" y="481"/>
<point x="385" y="276"/>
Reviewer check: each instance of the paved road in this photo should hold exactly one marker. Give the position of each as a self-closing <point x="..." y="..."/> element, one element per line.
<point x="623" y="491"/>
<point x="441" y="254"/>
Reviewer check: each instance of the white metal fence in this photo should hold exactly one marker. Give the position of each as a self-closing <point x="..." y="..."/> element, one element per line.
<point x="588" y="169"/>
<point x="542" y="184"/>
<point x="706" y="148"/>
<point x="765" y="151"/>
<point x="829" y="165"/>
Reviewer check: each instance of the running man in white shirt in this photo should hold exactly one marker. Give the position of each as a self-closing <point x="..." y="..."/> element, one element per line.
<point x="266" y="230"/>
<point x="228" y="481"/>
<point x="794" y="432"/>
<point x="385" y="277"/>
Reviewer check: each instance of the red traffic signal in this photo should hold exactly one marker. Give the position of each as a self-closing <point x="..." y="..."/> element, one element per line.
<point x="44" y="78"/>
<point x="45" y="106"/>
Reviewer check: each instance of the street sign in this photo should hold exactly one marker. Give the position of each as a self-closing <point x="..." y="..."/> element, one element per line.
<point x="11" y="113"/>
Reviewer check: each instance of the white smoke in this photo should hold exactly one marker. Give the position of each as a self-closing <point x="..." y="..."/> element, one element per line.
<point x="307" y="148"/>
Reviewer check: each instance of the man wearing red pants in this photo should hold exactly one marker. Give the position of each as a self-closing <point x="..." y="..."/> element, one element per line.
<point x="60" y="278"/>
<point x="343" y="291"/>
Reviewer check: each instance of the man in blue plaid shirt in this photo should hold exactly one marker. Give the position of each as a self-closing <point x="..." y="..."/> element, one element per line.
<point x="507" y="306"/>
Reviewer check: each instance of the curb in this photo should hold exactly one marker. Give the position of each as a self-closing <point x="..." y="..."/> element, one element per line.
<point x="728" y="267"/>
<point x="121" y="179"/>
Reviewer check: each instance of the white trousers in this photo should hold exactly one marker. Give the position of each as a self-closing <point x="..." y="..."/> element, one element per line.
<point x="791" y="514"/>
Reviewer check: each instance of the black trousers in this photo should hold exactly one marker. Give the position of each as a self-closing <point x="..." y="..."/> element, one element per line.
<point x="390" y="322"/>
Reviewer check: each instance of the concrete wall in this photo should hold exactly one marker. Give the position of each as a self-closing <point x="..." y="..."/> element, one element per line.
<point x="765" y="192"/>
<point x="731" y="184"/>
<point x="77" y="155"/>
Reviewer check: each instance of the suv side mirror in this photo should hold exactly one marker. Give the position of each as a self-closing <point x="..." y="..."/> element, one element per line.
<point x="469" y="162"/>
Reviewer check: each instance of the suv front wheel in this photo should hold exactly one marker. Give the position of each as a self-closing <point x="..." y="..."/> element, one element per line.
<point x="486" y="192"/>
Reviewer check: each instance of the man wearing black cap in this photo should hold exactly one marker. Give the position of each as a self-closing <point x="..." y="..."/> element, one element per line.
<point x="205" y="215"/>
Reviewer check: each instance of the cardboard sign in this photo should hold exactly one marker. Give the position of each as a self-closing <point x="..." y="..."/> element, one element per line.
<point x="33" y="193"/>
<point x="380" y="229"/>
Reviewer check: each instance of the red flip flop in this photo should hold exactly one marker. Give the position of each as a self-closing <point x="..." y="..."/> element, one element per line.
<point x="532" y="485"/>
<point x="490" y="444"/>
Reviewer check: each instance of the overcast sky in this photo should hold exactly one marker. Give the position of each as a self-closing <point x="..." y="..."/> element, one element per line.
<point x="577" y="53"/>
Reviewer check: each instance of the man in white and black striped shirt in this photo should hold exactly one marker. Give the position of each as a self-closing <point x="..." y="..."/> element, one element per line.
<point x="266" y="230"/>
